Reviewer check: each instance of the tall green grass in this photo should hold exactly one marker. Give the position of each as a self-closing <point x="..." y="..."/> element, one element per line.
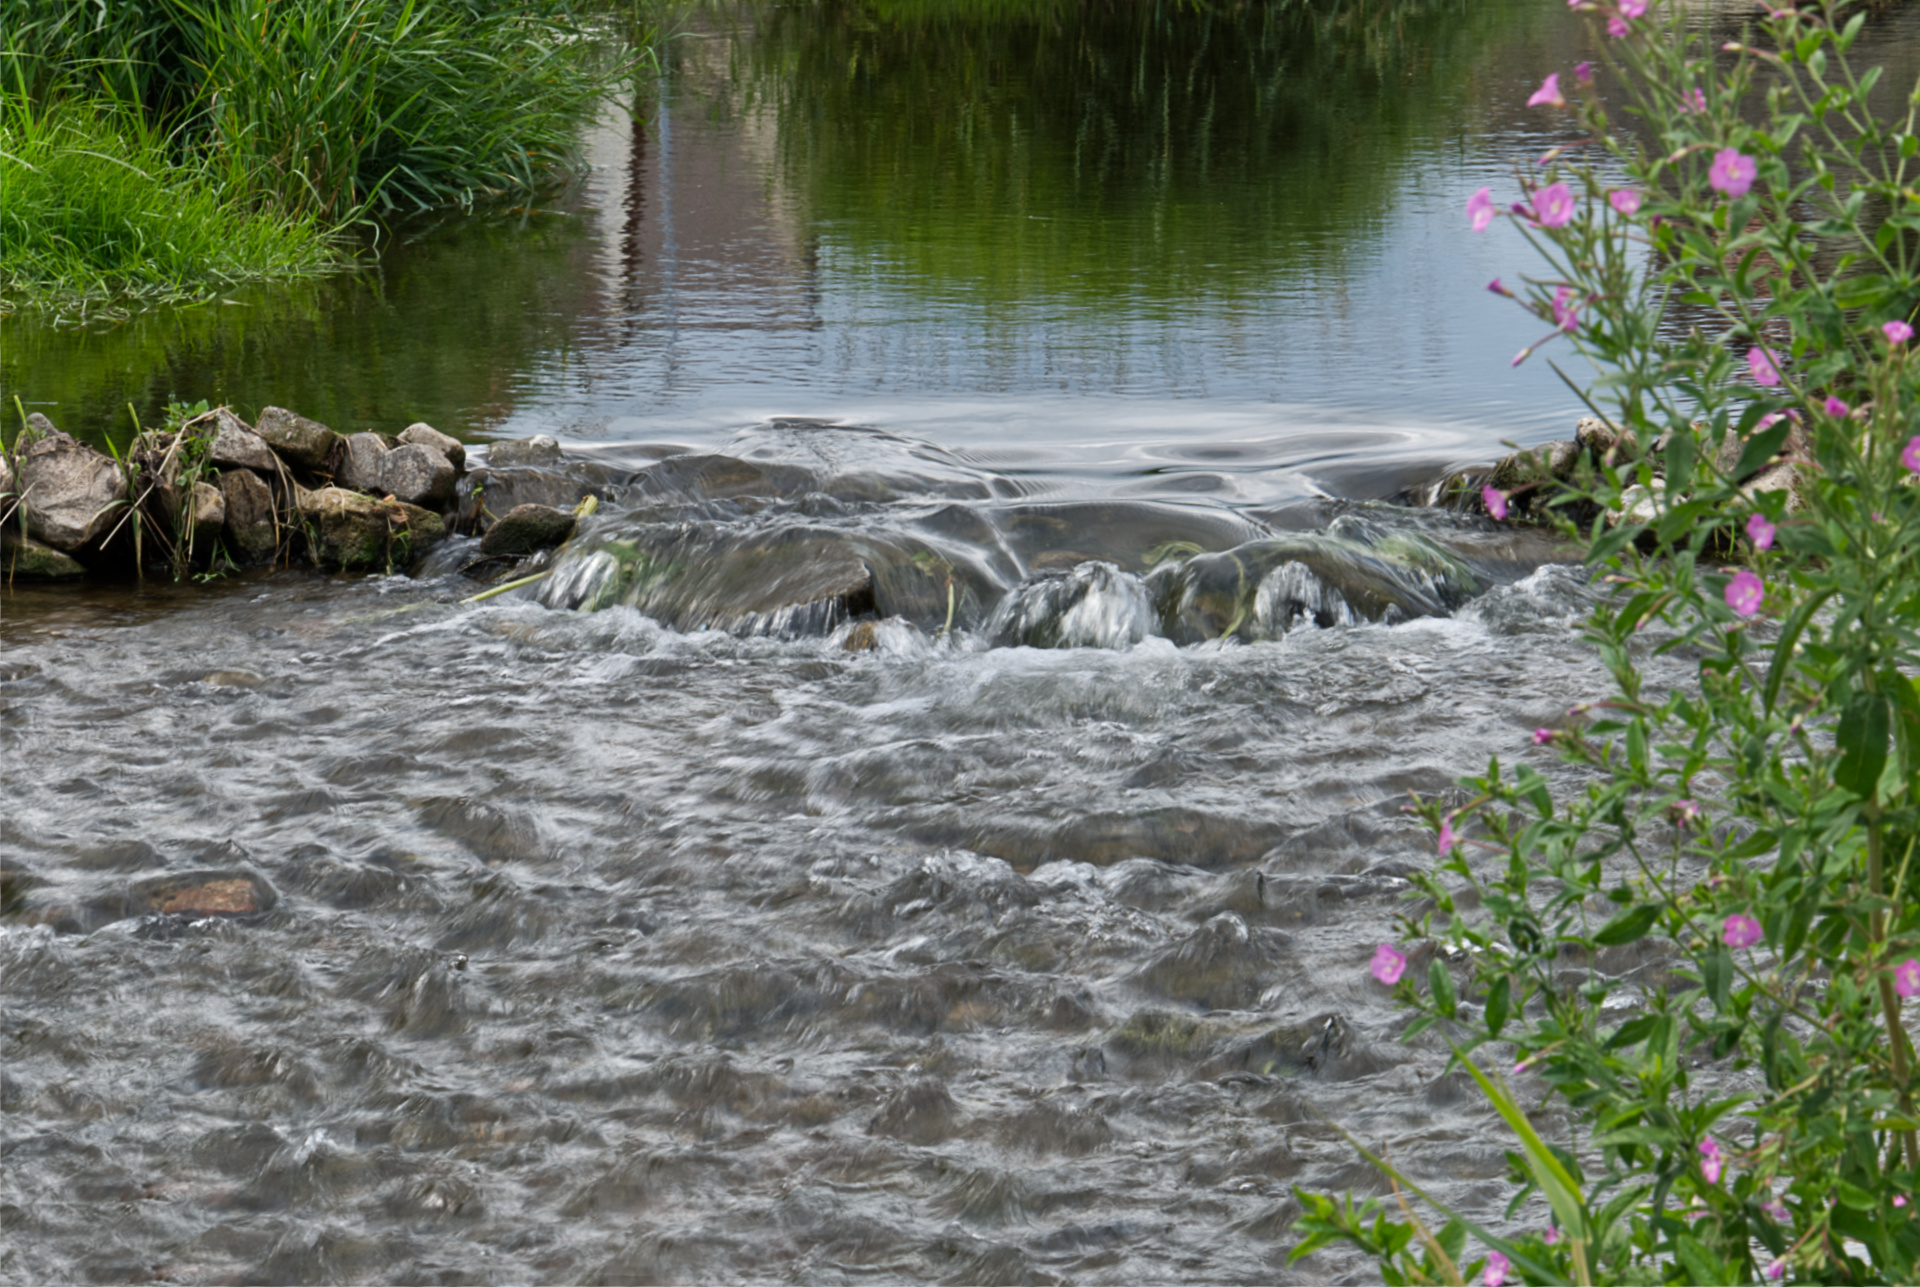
<point x="99" y="211"/>
<point x="310" y="114"/>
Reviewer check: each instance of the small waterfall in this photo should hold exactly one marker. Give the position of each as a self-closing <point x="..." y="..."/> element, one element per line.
<point x="1095" y="605"/>
<point x="1292" y="593"/>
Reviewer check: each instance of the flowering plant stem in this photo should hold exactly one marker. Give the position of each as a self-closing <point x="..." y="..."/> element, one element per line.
<point x="1688" y="934"/>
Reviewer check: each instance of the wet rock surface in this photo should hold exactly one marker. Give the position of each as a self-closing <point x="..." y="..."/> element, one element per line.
<point x="526" y="528"/>
<point x="350" y="931"/>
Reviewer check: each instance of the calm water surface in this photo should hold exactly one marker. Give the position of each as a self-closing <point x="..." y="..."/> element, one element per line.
<point x="952" y="849"/>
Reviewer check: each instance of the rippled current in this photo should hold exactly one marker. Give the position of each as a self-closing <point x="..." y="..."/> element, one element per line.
<point x="710" y="942"/>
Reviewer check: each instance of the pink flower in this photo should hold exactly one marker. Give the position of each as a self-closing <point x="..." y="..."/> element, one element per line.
<point x="1760" y="532"/>
<point x="1480" y="209"/>
<point x="1897" y="332"/>
<point x="1740" y="931"/>
<point x="1566" y="310"/>
<point x="1389" y="963"/>
<point x="1447" y="839"/>
<point x="1910" y="456"/>
<point x="1710" y="1161"/>
<point x="1692" y="102"/>
<point x="1625" y="200"/>
<point x="1906" y="978"/>
<point x="1778" y="1269"/>
<point x="1495" y="500"/>
<point x="1731" y="172"/>
<point x="1496" y="1269"/>
<point x="1745" y="592"/>
<point x="1685" y="811"/>
<point x="1583" y="72"/>
<point x="1632" y="8"/>
<point x="1899" y="1200"/>
<point x="1764" y="365"/>
<point x="1553" y="1236"/>
<point x="1616" y="26"/>
<point x="1553" y="205"/>
<point x="1836" y="408"/>
<point x="1541" y="736"/>
<point x="1777" y="1211"/>
<point x="1548" y="95"/>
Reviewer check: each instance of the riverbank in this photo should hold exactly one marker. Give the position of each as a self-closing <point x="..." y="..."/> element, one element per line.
<point x="169" y="153"/>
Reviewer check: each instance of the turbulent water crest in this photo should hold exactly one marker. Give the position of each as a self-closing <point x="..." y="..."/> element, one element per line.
<point x="896" y="874"/>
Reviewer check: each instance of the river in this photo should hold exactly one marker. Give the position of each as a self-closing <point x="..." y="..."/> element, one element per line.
<point x="1004" y="921"/>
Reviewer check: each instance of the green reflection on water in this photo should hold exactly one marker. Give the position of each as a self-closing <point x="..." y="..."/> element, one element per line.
<point x="1115" y="153"/>
<point x="435" y="329"/>
<point x="1134" y="159"/>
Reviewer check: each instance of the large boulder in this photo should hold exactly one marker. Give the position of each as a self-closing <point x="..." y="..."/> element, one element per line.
<point x="251" y="526"/>
<point x="237" y="447"/>
<point x="71" y="491"/>
<point x="418" y="475"/>
<point x="526" y="528"/>
<point x="359" y="467"/>
<point x="300" y="441"/>
<point x="348" y="530"/>
<point x="425" y="435"/>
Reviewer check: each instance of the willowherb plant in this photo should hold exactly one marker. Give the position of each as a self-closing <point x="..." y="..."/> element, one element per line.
<point x="1703" y="939"/>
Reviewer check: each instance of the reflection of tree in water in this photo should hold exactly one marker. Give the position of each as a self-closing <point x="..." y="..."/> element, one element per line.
<point x="1025" y="146"/>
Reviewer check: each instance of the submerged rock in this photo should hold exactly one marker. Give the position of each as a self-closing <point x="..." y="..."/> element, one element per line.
<point x="252" y="529"/>
<point x="71" y="492"/>
<point x="526" y="528"/>
<point x="300" y="441"/>
<point x="1223" y="965"/>
<point x="793" y="581"/>
<point x="224" y="892"/>
<point x="29" y="560"/>
<point x="425" y="435"/>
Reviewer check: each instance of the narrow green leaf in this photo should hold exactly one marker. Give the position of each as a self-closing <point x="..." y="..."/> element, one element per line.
<point x="1628" y="926"/>
<point x="1498" y="998"/>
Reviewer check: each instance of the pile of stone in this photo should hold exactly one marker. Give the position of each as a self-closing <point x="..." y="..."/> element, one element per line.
<point x="218" y="489"/>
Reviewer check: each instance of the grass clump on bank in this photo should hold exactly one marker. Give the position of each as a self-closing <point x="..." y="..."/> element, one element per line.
<point x="303" y="116"/>
<point x="98" y="213"/>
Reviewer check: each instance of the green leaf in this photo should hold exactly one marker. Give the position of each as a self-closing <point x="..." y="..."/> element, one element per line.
<point x="1702" y="1266"/>
<point x="1498" y="998"/>
<point x="1562" y="1190"/>
<point x="1628" y="926"/>
<point x="1442" y="984"/>
<point x="1762" y="447"/>
<point x="1784" y="646"/>
<point x="1716" y="972"/>
<point x="1862" y="739"/>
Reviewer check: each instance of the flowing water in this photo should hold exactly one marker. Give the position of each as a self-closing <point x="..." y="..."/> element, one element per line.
<point x="933" y="822"/>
